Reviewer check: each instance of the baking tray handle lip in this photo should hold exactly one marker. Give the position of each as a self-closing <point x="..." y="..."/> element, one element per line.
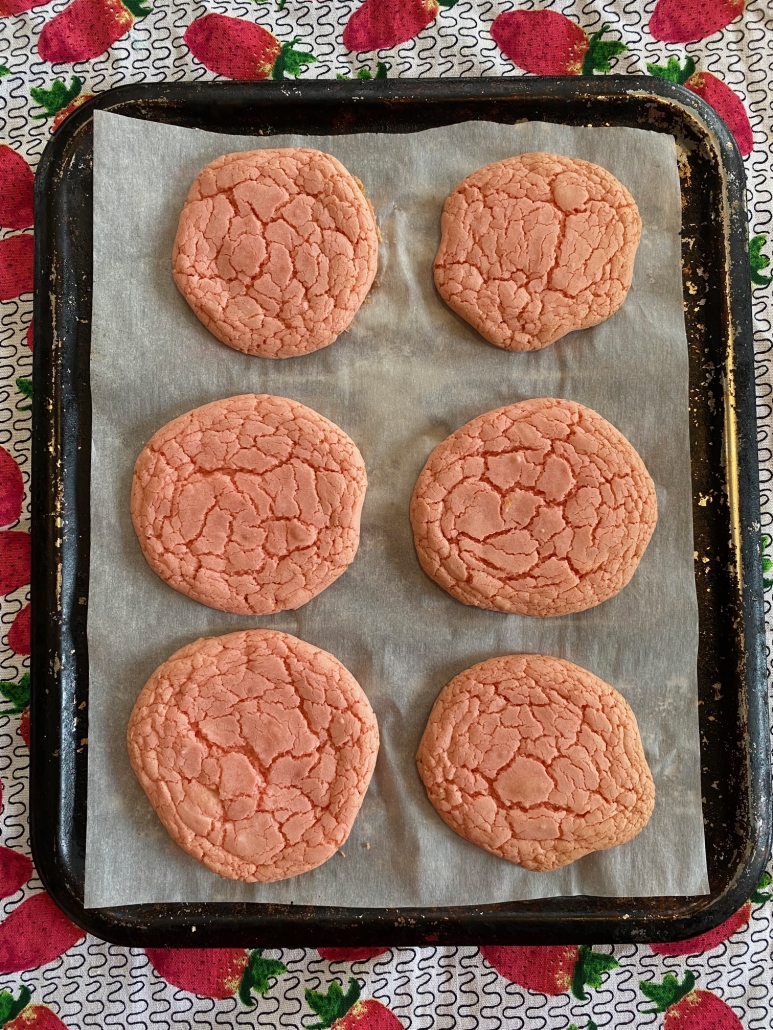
<point x="407" y="88"/>
<point x="47" y="649"/>
<point x="285" y="926"/>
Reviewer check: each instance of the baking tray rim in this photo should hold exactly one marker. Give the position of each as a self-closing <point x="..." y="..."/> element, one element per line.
<point x="543" y="922"/>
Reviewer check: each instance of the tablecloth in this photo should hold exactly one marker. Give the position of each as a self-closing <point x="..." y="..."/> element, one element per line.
<point x="52" y="56"/>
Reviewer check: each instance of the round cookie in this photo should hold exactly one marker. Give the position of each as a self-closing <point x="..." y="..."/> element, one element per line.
<point x="256" y="750"/>
<point x="249" y="504"/>
<point x="276" y="250"/>
<point x="536" y="760"/>
<point x="535" y="246"/>
<point x="540" y="508"/>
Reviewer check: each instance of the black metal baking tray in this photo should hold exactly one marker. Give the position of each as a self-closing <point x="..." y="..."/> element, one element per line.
<point x="731" y="667"/>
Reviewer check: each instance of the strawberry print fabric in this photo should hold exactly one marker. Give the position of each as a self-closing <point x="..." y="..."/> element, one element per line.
<point x="53" y="55"/>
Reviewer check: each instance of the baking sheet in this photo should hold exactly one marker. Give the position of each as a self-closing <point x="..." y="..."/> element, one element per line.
<point x="407" y="374"/>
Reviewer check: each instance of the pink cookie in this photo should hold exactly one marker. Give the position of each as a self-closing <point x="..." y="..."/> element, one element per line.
<point x="540" y="508"/>
<point x="256" y="750"/>
<point x="536" y="246"/>
<point x="276" y="250"/>
<point x="536" y="760"/>
<point x="250" y="504"/>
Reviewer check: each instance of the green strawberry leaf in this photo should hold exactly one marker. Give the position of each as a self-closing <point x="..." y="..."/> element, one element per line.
<point x="10" y="1007"/>
<point x="758" y="260"/>
<point x="24" y="386"/>
<point x="4" y="70"/>
<point x="365" y="74"/>
<point x="257" y="975"/>
<point x="281" y="5"/>
<point x="600" y="51"/>
<point x="297" y="60"/>
<point x="591" y="1026"/>
<point x="673" y="71"/>
<point x="18" y="696"/>
<point x="135" y="7"/>
<point x="333" y="1005"/>
<point x="760" y="895"/>
<point x="668" y="993"/>
<point x="588" y="970"/>
<point x="291" y="61"/>
<point x="448" y="4"/>
<point x="767" y="583"/>
<point x="58" y="97"/>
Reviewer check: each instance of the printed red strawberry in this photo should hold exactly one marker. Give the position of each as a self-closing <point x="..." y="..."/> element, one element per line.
<point x="217" y="972"/>
<point x="30" y="336"/>
<point x="350" y="954"/>
<point x="346" y="1011"/>
<point x="9" y="7"/>
<point x="14" y="560"/>
<point x="16" y="263"/>
<point x="34" y="934"/>
<point x="11" y="488"/>
<point x="550" y="969"/>
<point x="18" y="1014"/>
<point x="36" y="1017"/>
<point x="16" y="189"/>
<point x="381" y="24"/>
<point x="714" y="91"/>
<point x="15" y="870"/>
<point x="548" y="43"/>
<point x="713" y="938"/>
<point x="684" y="21"/>
<point x="24" y="732"/>
<point x="59" y="101"/>
<point x="688" y="1009"/>
<point x="240" y="49"/>
<point x="19" y="633"/>
<point x="87" y="28"/>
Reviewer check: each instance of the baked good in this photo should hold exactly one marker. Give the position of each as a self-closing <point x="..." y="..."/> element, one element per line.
<point x="256" y="750"/>
<point x="535" y="246"/>
<point x="276" y="250"/>
<point x="249" y="504"/>
<point x="536" y="760"/>
<point x="539" y="508"/>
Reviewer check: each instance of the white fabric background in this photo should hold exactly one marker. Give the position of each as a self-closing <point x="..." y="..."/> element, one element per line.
<point x="97" y="985"/>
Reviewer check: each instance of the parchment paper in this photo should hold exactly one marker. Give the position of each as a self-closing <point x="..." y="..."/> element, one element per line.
<point x="407" y="374"/>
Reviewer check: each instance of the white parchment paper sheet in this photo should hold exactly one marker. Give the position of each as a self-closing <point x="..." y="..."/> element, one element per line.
<point x="407" y="374"/>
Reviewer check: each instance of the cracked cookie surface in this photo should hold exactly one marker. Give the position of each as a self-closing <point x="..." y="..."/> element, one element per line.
<point x="249" y="504"/>
<point x="536" y="246"/>
<point x="536" y="760"/>
<point x="539" y="508"/>
<point x="256" y="750"/>
<point x="276" y="250"/>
